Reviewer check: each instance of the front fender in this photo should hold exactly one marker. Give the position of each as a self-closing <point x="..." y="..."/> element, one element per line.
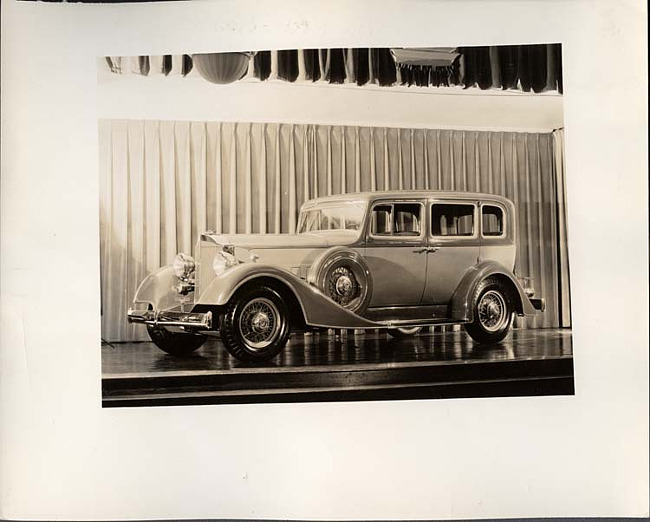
<point x="318" y="309"/>
<point x="461" y="301"/>
<point x="158" y="290"/>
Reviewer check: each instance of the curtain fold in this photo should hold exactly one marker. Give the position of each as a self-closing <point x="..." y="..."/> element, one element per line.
<point x="529" y="68"/>
<point x="563" y="240"/>
<point x="163" y="183"/>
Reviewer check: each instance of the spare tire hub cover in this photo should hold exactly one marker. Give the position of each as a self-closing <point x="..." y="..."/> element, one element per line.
<point x="343" y="286"/>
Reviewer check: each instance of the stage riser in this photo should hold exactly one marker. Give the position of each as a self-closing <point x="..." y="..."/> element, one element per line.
<point x="309" y="383"/>
<point x="371" y="367"/>
<point x="516" y="388"/>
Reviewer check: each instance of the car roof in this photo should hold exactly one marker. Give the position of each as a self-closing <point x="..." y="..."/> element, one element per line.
<point x="409" y="194"/>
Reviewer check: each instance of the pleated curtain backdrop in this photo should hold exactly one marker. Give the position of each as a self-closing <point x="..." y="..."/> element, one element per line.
<point x="163" y="183"/>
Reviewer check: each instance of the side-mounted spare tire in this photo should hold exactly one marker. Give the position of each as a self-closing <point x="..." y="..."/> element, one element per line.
<point x="343" y="275"/>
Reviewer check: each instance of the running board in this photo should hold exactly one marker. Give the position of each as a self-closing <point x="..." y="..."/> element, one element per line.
<point x="418" y="322"/>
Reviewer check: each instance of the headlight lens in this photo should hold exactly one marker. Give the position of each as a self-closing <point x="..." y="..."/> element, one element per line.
<point x="222" y="262"/>
<point x="183" y="266"/>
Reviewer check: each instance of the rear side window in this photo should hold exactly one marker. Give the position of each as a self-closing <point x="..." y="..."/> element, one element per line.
<point x="492" y="221"/>
<point x="396" y="219"/>
<point x="452" y="220"/>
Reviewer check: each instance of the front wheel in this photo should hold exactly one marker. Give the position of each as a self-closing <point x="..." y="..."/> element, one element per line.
<point x="493" y="312"/>
<point x="175" y="343"/>
<point x="255" y="326"/>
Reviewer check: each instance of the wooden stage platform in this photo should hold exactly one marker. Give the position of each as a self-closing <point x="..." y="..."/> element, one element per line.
<point x="322" y="367"/>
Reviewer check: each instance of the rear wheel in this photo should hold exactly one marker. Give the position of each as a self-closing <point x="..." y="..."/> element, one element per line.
<point x="493" y="312"/>
<point x="400" y="333"/>
<point x="255" y="326"/>
<point x="179" y="344"/>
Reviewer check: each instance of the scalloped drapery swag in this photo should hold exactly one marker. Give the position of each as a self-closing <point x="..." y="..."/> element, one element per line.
<point x="529" y="68"/>
<point x="221" y="68"/>
<point x="164" y="182"/>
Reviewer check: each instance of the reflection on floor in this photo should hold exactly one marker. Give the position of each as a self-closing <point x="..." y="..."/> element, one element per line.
<point x="344" y="367"/>
<point x="330" y="350"/>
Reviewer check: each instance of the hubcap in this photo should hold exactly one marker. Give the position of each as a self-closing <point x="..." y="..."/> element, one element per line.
<point x="260" y="323"/>
<point x="492" y="311"/>
<point x="343" y="286"/>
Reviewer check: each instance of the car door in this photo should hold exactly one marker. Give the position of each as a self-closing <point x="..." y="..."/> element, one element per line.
<point x="453" y="247"/>
<point x="396" y="252"/>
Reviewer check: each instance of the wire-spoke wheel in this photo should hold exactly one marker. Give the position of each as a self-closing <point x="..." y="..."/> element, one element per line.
<point x="259" y="323"/>
<point x="342" y="286"/>
<point x="493" y="312"/>
<point x="255" y="326"/>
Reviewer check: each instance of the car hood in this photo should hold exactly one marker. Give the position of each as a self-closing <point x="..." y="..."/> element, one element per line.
<point x="267" y="241"/>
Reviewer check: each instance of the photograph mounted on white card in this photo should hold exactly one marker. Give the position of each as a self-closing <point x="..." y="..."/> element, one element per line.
<point x="333" y="224"/>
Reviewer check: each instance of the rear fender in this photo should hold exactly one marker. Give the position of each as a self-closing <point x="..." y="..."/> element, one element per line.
<point x="461" y="301"/>
<point x="317" y="309"/>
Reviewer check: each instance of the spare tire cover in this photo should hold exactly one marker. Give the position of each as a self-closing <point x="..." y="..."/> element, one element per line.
<point x="343" y="275"/>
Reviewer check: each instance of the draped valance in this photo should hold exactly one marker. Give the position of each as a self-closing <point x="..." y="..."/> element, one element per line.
<point x="528" y="68"/>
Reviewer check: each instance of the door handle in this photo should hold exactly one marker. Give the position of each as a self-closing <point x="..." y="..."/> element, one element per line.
<point x="426" y="249"/>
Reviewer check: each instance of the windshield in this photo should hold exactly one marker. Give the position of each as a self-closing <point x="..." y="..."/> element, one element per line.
<point x="335" y="216"/>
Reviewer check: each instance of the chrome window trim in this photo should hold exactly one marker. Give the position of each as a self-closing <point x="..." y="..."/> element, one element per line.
<point x="449" y="239"/>
<point x="393" y="238"/>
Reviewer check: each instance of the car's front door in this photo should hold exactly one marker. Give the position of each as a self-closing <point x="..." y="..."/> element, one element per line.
<point x="453" y="247"/>
<point x="396" y="252"/>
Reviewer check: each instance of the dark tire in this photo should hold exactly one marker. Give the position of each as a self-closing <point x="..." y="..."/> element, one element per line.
<point x="493" y="312"/>
<point x="401" y="333"/>
<point x="343" y="276"/>
<point x="255" y="326"/>
<point x="176" y="343"/>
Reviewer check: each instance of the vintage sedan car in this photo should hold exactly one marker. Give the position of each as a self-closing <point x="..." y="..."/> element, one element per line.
<point x="398" y="261"/>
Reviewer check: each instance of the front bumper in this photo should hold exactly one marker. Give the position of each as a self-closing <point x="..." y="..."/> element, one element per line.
<point x="202" y="321"/>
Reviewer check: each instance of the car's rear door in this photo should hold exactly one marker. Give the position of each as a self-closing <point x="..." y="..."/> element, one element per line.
<point x="396" y="252"/>
<point x="453" y="246"/>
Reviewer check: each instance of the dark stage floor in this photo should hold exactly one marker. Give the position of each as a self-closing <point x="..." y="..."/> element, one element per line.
<point x="367" y="366"/>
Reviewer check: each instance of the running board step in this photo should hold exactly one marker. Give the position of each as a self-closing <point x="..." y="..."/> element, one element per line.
<point x="419" y="322"/>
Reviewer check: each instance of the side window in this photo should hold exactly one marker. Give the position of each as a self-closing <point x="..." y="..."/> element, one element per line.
<point x="449" y="220"/>
<point x="396" y="219"/>
<point x="407" y="219"/>
<point x="381" y="220"/>
<point x="492" y="221"/>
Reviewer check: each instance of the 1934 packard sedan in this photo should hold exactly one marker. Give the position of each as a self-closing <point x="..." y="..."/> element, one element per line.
<point x="382" y="260"/>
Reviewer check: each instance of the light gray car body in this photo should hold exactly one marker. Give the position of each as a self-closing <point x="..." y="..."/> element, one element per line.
<point x="421" y="279"/>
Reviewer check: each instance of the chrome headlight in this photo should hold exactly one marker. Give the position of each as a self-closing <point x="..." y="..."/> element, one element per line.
<point x="223" y="261"/>
<point x="183" y="266"/>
